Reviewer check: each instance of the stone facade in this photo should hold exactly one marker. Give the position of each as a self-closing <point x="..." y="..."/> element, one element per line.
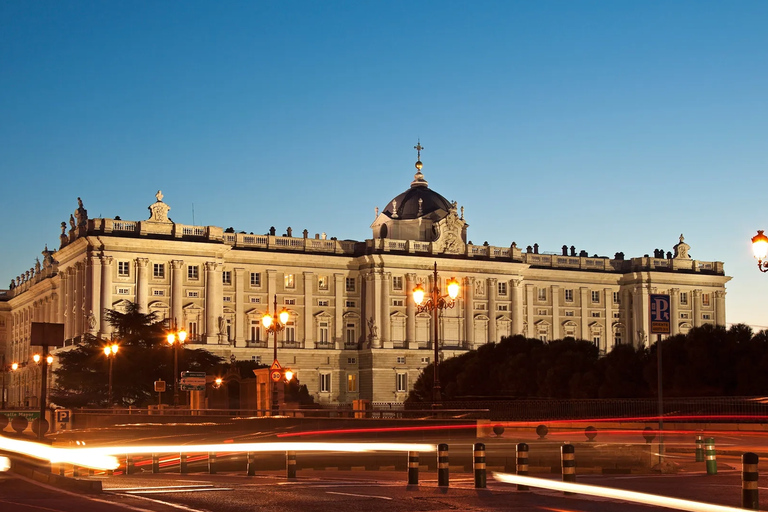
<point x="354" y="332"/>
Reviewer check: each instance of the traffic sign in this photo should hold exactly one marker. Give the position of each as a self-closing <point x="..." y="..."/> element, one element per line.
<point x="159" y="386"/>
<point x="63" y="415"/>
<point x="660" y="313"/>
<point x="192" y="381"/>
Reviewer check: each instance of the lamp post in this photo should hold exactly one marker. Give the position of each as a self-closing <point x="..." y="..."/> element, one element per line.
<point x="274" y="323"/>
<point x="434" y="302"/>
<point x="760" y="249"/>
<point x="175" y="339"/>
<point x="111" y="352"/>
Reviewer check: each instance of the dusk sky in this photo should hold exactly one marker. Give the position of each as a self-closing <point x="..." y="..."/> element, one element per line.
<point x="610" y="126"/>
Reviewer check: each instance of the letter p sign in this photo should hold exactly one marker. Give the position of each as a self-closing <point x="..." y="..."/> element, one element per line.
<point x="660" y="313"/>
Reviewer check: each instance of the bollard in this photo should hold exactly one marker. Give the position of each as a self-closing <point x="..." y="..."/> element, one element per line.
<point x="522" y="464"/>
<point x="155" y="463"/>
<point x="62" y="469"/>
<point x="442" y="465"/>
<point x="129" y="464"/>
<point x="711" y="456"/>
<point x="699" y="449"/>
<point x="183" y="464"/>
<point x="211" y="463"/>
<point x="749" y="474"/>
<point x="413" y="468"/>
<point x="250" y="459"/>
<point x="568" y="458"/>
<point x="75" y="471"/>
<point x="290" y="464"/>
<point x="479" y="465"/>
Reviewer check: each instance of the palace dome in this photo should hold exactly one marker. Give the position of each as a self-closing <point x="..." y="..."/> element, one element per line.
<point x="417" y="201"/>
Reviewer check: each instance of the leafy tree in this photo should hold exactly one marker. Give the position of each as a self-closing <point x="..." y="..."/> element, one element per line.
<point x="144" y="357"/>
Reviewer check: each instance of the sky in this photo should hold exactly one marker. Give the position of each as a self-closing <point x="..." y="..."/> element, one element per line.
<point x="610" y="126"/>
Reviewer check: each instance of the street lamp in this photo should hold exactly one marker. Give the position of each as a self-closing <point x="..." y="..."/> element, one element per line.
<point x="434" y="302"/>
<point x="6" y="369"/>
<point x="275" y="326"/>
<point x="760" y="249"/>
<point x="111" y="352"/>
<point x="175" y="339"/>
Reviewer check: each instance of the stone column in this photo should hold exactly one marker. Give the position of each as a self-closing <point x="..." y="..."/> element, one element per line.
<point x="106" y="294"/>
<point x="468" y="290"/>
<point x="177" y="293"/>
<point x="608" y="330"/>
<point x="240" y="324"/>
<point x="142" y="284"/>
<point x="77" y="304"/>
<point x="62" y="302"/>
<point x="674" y="311"/>
<point x="492" y="313"/>
<point x="557" y="327"/>
<point x="697" y="307"/>
<point x="56" y="308"/>
<point x="384" y="327"/>
<point x="517" y="306"/>
<point x="720" y="307"/>
<point x="309" y="303"/>
<point x="529" y="330"/>
<point x="410" y="312"/>
<point x="641" y="317"/>
<point x="95" y="293"/>
<point x="584" y="297"/>
<point x="338" y="320"/>
<point x="212" y="301"/>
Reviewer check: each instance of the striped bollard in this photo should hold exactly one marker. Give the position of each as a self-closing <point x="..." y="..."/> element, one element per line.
<point x="155" y="463"/>
<point x="250" y="459"/>
<point x="749" y="474"/>
<point x="699" y="449"/>
<point x="129" y="464"/>
<point x="568" y="459"/>
<point x="479" y="465"/>
<point x="183" y="464"/>
<point x="442" y="465"/>
<point x="413" y="468"/>
<point x="711" y="456"/>
<point x="211" y="463"/>
<point x="522" y="464"/>
<point x="290" y="464"/>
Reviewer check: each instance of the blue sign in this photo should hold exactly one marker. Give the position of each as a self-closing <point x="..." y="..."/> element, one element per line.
<point x="63" y="416"/>
<point x="660" y="313"/>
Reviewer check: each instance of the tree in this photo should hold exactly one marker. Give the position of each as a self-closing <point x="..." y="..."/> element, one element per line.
<point x="144" y="357"/>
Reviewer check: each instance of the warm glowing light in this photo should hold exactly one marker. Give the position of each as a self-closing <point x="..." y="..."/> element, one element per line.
<point x="266" y="320"/>
<point x="36" y="358"/>
<point x="171" y="338"/>
<point x="284" y="316"/>
<point x="49" y="359"/>
<point x="15" y="366"/>
<point x="5" y="464"/>
<point x="218" y="381"/>
<point x="107" y="351"/>
<point x="88" y="457"/>
<point x="418" y="294"/>
<point x="760" y="245"/>
<point x="182" y="335"/>
<point x="618" y="494"/>
<point x="288" y="375"/>
<point x="453" y="288"/>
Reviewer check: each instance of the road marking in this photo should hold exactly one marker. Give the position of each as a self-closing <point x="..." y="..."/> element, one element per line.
<point x="170" y="491"/>
<point x="359" y="495"/>
<point x="126" y="489"/>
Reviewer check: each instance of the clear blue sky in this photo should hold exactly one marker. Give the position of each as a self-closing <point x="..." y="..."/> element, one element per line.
<point x="611" y="126"/>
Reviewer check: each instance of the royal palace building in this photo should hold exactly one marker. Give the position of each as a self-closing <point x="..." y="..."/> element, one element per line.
<point x="354" y="331"/>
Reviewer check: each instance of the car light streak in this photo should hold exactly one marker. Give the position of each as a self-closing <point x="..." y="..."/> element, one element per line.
<point x="84" y="457"/>
<point x="5" y="464"/>
<point x="618" y="494"/>
<point x="379" y="430"/>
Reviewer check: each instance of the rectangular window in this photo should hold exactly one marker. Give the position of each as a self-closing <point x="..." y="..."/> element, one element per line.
<point x="325" y="382"/>
<point x="158" y="293"/>
<point x="350" y="304"/>
<point x="424" y="360"/>
<point x="595" y="297"/>
<point x="542" y="294"/>
<point x="123" y="269"/>
<point x="289" y="282"/>
<point x="569" y="313"/>
<point x="322" y="282"/>
<point x="351" y="336"/>
<point x="256" y="359"/>
<point x="226" y="298"/>
<point x="397" y="282"/>
<point x="502" y="288"/>
<point x="401" y="384"/>
<point x="596" y="340"/>
<point x="684" y="315"/>
<point x="617" y="339"/>
<point x="226" y="277"/>
<point x="595" y="314"/>
<point x="255" y="279"/>
<point x="543" y="337"/>
<point x="255" y="300"/>
<point x="193" y="294"/>
<point x="351" y="383"/>
<point x="705" y="299"/>
<point x="706" y="316"/>
<point x="322" y="302"/>
<point x="568" y="295"/>
<point x="255" y="330"/>
<point x="192" y="331"/>
<point x="616" y="315"/>
<point x="351" y="360"/>
<point x="323" y="333"/>
<point x="193" y="272"/>
<point x="158" y="270"/>
<point x="400" y="359"/>
<point x="290" y="332"/>
<point x="480" y="306"/>
<point x="503" y="307"/>
<point x="350" y="284"/>
<point x="289" y="302"/>
<point x="616" y="298"/>
<point x="684" y="298"/>
<point x="541" y="312"/>
<point x="398" y="302"/>
<point x="123" y="291"/>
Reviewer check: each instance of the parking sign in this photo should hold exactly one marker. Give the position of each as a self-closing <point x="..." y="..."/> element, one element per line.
<point x="660" y="313"/>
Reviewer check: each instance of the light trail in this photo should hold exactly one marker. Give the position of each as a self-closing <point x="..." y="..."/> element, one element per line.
<point x="261" y="447"/>
<point x="76" y="456"/>
<point x="617" y="494"/>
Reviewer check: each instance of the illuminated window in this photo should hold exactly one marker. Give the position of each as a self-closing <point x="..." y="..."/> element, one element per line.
<point x="705" y="299"/>
<point x="289" y="282"/>
<point x="352" y="383"/>
<point x="322" y="282"/>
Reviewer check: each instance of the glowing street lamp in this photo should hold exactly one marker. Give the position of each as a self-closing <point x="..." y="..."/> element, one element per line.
<point x="435" y="302"/>
<point x="760" y="250"/>
<point x="272" y="326"/>
<point x="111" y="352"/>
<point x="175" y="339"/>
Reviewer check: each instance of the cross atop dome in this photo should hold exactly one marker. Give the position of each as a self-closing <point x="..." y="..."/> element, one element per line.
<point x="418" y="178"/>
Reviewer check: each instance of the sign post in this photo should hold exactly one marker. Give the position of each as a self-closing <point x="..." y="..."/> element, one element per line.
<point x="193" y="381"/>
<point x="45" y="334"/>
<point x="159" y="388"/>
<point x="660" y="322"/>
